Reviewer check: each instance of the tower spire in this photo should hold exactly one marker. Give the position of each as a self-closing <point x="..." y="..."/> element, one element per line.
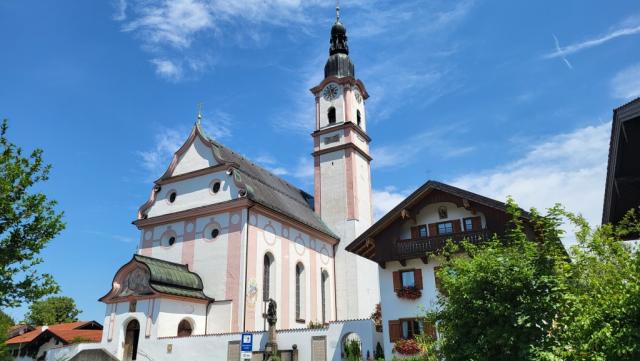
<point x="339" y="64"/>
<point x="337" y="10"/>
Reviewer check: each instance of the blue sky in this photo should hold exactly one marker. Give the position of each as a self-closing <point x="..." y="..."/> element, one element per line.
<point x="502" y="98"/>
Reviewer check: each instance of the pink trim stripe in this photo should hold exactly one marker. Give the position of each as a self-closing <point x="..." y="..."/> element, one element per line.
<point x="234" y="271"/>
<point x="347" y="104"/>
<point x="316" y="184"/>
<point x="284" y="250"/>
<point x="189" y="243"/>
<point x="252" y="262"/>
<point x="314" y="285"/>
<point x="349" y="179"/>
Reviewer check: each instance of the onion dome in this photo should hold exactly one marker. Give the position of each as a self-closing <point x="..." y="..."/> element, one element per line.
<point x="339" y="64"/>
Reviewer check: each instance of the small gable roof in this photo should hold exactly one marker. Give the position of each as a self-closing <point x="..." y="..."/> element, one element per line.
<point x="261" y="186"/>
<point x="415" y="197"/>
<point x="66" y="332"/>
<point x="167" y="278"/>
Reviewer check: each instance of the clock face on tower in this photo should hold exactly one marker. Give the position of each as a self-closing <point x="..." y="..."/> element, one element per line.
<point x="330" y="92"/>
<point x="356" y="92"/>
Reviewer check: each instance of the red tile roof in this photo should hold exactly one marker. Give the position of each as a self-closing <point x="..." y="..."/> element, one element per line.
<point x="64" y="331"/>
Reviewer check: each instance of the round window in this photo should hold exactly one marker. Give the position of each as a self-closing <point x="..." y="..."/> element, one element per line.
<point x="172" y="197"/>
<point x="171" y="240"/>
<point x="214" y="233"/>
<point x="216" y="187"/>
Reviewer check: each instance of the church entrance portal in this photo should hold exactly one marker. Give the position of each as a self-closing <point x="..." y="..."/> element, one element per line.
<point x="131" y="340"/>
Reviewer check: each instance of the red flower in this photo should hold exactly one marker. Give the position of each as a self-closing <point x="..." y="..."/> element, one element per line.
<point x="410" y="293"/>
<point x="407" y="347"/>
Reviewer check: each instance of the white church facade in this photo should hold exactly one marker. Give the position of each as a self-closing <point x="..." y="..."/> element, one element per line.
<point x="220" y="237"/>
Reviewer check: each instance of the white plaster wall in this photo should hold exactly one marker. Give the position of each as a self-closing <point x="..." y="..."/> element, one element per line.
<point x="193" y="192"/>
<point x="355" y="106"/>
<point x="363" y="191"/>
<point x="214" y="347"/>
<point x="339" y="133"/>
<point x="333" y="207"/>
<point x="159" y="248"/>
<point x="359" y="141"/>
<point x="210" y="256"/>
<point x="220" y="317"/>
<point x="429" y="214"/>
<point x="314" y="254"/>
<point x="393" y="307"/>
<point x="338" y="103"/>
<point x="170" y="312"/>
<point x="197" y="156"/>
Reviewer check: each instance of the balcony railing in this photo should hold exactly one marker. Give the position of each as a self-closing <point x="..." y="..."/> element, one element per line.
<point x="418" y="247"/>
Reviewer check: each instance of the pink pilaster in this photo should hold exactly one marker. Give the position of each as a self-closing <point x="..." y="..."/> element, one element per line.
<point x="250" y="310"/>
<point x="188" y="243"/>
<point x="313" y="274"/>
<point x="234" y="271"/>
<point x="349" y="156"/>
<point x="284" y="249"/>
<point x="316" y="184"/>
<point x="347" y="103"/>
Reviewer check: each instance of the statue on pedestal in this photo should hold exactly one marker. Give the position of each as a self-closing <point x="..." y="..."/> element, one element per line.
<point x="271" y="348"/>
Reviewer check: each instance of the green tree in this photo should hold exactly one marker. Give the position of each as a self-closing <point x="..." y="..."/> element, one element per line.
<point x="28" y="221"/>
<point x="520" y="298"/>
<point x="57" y="309"/>
<point x="5" y="322"/>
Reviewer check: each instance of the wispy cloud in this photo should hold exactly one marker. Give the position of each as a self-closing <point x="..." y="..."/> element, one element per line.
<point x="569" y="168"/>
<point x="167" y="141"/>
<point x="626" y="83"/>
<point x="406" y="152"/>
<point x="385" y="199"/>
<point x="629" y="27"/>
<point x="168" y="69"/>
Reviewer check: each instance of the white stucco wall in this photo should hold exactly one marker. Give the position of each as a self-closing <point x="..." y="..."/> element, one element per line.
<point x="197" y="156"/>
<point x="193" y="192"/>
<point x="214" y="347"/>
<point x="393" y="307"/>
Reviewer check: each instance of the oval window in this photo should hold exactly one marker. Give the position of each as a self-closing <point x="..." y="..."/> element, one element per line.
<point x="216" y="187"/>
<point x="171" y="240"/>
<point x="214" y="233"/>
<point x="172" y="197"/>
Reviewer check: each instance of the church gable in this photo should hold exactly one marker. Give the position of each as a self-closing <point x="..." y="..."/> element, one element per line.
<point x="197" y="156"/>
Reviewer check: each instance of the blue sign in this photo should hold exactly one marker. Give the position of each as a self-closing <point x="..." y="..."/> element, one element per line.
<point x="246" y="344"/>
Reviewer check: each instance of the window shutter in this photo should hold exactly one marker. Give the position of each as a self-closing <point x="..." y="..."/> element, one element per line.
<point x="395" y="330"/>
<point x="433" y="230"/>
<point x="477" y="223"/>
<point x="414" y="232"/>
<point x="417" y="276"/>
<point x="456" y="226"/>
<point x="397" y="281"/>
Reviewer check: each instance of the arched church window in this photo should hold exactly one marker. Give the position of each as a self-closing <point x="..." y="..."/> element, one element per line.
<point x="332" y="115"/>
<point x="300" y="292"/>
<point x="268" y="278"/>
<point x="324" y="287"/>
<point x="184" y="328"/>
<point x="358" y="117"/>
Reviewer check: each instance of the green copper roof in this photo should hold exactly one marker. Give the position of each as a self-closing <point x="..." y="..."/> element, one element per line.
<point x="172" y="278"/>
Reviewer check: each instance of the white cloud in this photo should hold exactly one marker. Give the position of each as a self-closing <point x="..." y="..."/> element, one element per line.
<point x="167" y="141"/>
<point x="168" y="69"/>
<point x="385" y="199"/>
<point x="626" y="84"/>
<point x="630" y="27"/>
<point x="120" y="10"/>
<point x="568" y="168"/>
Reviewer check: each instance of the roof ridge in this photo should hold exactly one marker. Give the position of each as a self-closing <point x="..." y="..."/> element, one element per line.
<point x="163" y="261"/>
<point x="218" y="144"/>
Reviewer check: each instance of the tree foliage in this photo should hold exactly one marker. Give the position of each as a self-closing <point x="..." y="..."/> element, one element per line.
<point x="53" y="310"/>
<point x="521" y="297"/>
<point x="5" y="322"/>
<point x="28" y="221"/>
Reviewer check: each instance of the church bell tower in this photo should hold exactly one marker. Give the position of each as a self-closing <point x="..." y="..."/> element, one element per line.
<point x="342" y="174"/>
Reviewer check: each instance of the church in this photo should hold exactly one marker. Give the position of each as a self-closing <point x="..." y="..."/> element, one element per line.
<point x="228" y="248"/>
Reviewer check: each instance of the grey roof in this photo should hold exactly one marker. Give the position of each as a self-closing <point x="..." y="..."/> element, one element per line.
<point x="271" y="191"/>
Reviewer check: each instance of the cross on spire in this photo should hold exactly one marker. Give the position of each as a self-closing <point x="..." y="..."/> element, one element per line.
<point x="199" y="117"/>
<point x="337" y="10"/>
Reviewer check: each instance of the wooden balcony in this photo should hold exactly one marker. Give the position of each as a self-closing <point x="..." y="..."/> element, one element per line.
<point x="418" y="247"/>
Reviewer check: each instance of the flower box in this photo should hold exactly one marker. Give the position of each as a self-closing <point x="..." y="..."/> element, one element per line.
<point x="410" y="293"/>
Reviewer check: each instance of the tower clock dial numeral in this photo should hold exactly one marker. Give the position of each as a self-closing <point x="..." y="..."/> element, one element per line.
<point x="358" y="96"/>
<point x="330" y="92"/>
